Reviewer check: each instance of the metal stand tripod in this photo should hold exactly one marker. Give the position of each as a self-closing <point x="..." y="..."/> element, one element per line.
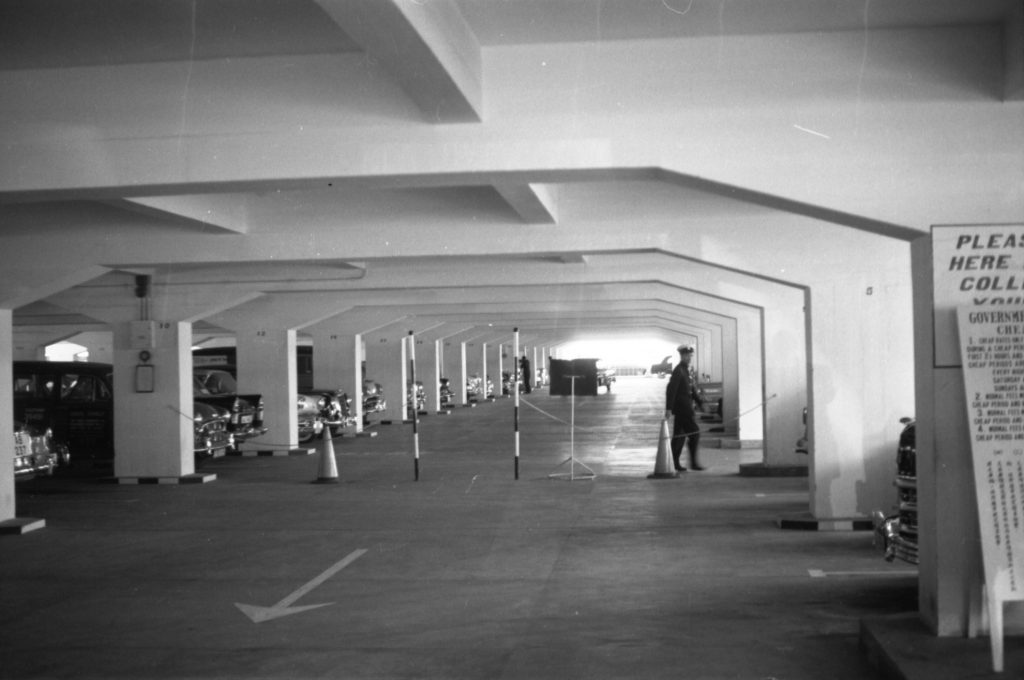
<point x="571" y="460"/>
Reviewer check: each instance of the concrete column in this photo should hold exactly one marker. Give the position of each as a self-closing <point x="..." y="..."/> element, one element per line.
<point x="408" y="404"/>
<point x="496" y="364"/>
<point x="385" y="365"/>
<point x="266" y="366"/>
<point x="862" y="384"/>
<point x="785" y="374"/>
<point x="427" y="367"/>
<point x="463" y="372"/>
<point x="485" y="368"/>
<point x="7" y="521"/>
<point x="153" y="432"/>
<point x="359" y="358"/>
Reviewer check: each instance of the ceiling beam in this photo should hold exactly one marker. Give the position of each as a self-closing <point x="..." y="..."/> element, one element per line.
<point x="426" y="46"/>
<point x="212" y="212"/>
<point x="534" y="203"/>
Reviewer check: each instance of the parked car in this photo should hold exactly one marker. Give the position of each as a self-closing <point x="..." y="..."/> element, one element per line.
<point x="447" y="398"/>
<point x="323" y="408"/>
<point x="508" y="382"/>
<point x="36" y="452"/>
<point x="74" y="400"/>
<point x="663" y="367"/>
<point x="417" y="397"/>
<point x="210" y="430"/>
<point x="896" y="533"/>
<point x="373" y="397"/>
<point x="477" y="390"/>
<point x="217" y="387"/>
<point x="605" y="377"/>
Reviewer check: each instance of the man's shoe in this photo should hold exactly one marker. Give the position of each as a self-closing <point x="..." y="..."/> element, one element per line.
<point x="697" y="467"/>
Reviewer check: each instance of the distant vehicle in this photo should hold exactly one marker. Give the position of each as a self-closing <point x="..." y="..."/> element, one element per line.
<point x="447" y="398"/>
<point x="477" y="390"/>
<point x="373" y="398"/>
<point x="36" y="452"/>
<point x="662" y="368"/>
<point x="605" y="377"/>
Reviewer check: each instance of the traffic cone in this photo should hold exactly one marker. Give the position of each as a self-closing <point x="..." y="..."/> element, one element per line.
<point x="663" y="467"/>
<point x="328" y="467"/>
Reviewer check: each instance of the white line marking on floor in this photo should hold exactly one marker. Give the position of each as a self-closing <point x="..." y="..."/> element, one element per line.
<point x="821" y="573"/>
<point x="258" y="614"/>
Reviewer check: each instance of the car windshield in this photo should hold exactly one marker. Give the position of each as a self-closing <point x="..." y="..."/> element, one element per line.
<point x="217" y="382"/>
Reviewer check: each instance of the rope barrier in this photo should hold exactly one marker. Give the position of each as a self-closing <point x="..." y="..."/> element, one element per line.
<point x="678" y="436"/>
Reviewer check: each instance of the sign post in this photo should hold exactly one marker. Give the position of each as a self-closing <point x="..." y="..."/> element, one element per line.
<point x="992" y="353"/>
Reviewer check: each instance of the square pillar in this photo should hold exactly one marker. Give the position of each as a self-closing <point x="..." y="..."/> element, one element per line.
<point x="153" y="426"/>
<point x="267" y="366"/>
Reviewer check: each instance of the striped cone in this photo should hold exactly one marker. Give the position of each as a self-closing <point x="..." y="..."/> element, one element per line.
<point x="663" y="467"/>
<point x="328" y="466"/>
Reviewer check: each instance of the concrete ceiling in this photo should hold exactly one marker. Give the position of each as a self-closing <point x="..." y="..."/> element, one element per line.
<point x="435" y="152"/>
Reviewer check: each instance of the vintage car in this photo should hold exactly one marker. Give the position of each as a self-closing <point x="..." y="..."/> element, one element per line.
<point x="373" y="397"/>
<point x="75" y="401"/>
<point x="477" y="390"/>
<point x="323" y="408"/>
<point x="210" y="430"/>
<point x="447" y="398"/>
<point x="417" y="397"/>
<point x="605" y="376"/>
<point x="36" y="452"/>
<point x="896" y="534"/>
<point x="217" y="387"/>
<point x="663" y="367"/>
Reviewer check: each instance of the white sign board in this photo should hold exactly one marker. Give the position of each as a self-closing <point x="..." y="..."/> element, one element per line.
<point x="992" y="351"/>
<point x="973" y="266"/>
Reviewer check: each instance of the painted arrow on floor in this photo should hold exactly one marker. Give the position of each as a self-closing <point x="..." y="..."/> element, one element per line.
<point x="284" y="607"/>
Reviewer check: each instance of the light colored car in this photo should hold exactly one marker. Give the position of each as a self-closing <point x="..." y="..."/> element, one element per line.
<point x="36" y="452"/>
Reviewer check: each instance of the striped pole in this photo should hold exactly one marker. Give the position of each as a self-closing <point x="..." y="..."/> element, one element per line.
<point x="515" y="387"/>
<point x="415" y="411"/>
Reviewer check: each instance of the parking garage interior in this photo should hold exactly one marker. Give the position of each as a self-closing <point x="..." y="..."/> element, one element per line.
<point x="401" y="192"/>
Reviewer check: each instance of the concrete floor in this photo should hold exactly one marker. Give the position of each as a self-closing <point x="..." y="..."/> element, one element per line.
<point x="467" y="573"/>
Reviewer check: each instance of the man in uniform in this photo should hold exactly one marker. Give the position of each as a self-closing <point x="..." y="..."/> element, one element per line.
<point x="680" y="396"/>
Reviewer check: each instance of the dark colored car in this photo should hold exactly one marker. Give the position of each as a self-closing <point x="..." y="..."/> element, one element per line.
<point x="217" y="387"/>
<point x="447" y="398"/>
<point x="75" y="401"/>
<point x="605" y="377"/>
<point x="663" y="367"/>
<point x="896" y="534"/>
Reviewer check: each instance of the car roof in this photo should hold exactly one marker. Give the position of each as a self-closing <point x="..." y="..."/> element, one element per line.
<point x="81" y="366"/>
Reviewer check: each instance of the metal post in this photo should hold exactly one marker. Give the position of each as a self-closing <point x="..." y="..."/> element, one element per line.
<point x="518" y="373"/>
